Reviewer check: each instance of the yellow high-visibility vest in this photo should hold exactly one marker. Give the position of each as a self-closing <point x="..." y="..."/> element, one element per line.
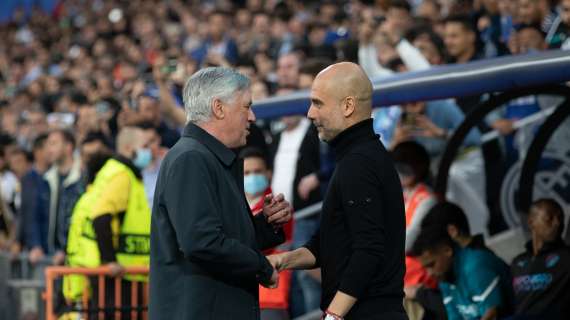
<point x="132" y="237"/>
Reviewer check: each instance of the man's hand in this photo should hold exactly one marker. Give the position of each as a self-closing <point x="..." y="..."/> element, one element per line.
<point x="307" y="184"/>
<point x="277" y="210"/>
<point x="411" y="291"/>
<point x="115" y="269"/>
<point x="58" y="258"/>
<point x="504" y="126"/>
<point x="277" y="261"/>
<point x="428" y="128"/>
<point x="273" y="281"/>
<point x="401" y="133"/>
<point x="36" y="254"/>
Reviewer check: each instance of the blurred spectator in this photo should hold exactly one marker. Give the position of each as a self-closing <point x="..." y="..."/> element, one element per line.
<point x="7" y="226"/>
<point x="34" y="212"/>
<point x="217" y="48"/>
<point x="157" y="151"/>
<point x="460" y="37"/>
<point x="149" y="111"/>
<point x="296" y="155"/>
<point x="541" y="275"/>
<point x="66" y="186"/>
<point x="288" y="70"/>
<point x="274" y="303"/>
<point x="413" y="165"/>
<point x="559" y="34"/>
<point x="474" y="283"/>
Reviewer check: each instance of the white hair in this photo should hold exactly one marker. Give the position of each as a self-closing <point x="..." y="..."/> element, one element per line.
<point x="208" y="84"/>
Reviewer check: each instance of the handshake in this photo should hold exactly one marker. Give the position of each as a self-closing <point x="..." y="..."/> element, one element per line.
<point x="277" y="262"/>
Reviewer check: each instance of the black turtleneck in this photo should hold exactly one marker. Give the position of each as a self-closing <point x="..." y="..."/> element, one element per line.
<point x="360" y="245"/>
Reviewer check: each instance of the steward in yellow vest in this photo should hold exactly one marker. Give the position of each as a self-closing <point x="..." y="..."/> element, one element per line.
<point x="110" y="222"/>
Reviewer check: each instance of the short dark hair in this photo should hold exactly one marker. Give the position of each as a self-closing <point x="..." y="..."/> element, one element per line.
<point x="20" y="151"/>
<point x="464" y="20"/>
<point x="533" y="26"/>
<point x="252" y="152"/>
<point x="401" y="4"/>
<point x="94" y="136"/>
<point x="67" y="136"/>
<point x="313" y="66"/>
<point x="39" y="142"/>
<point x="431" y="238"/>
<point x="444" y="214"/>
<point x="414" y="155"/>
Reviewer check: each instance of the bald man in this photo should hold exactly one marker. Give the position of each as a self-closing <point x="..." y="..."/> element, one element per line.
<point x="360" y="244"/>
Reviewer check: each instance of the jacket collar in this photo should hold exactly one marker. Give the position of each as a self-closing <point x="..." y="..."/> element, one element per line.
<point x="546" y="248"/>
<point x="74" y="174"/>
<point x="352" y="136"/>
<point x="225" y="154"/>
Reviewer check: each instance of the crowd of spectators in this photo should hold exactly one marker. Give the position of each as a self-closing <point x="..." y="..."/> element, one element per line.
<point x="78" y="75"/>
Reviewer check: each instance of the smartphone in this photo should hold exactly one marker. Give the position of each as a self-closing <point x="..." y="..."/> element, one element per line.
<point x="61" y="119"/>
<point x="170" y="66"/>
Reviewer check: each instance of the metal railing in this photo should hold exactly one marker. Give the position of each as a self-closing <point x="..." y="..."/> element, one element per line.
<point x="137" y="309"/>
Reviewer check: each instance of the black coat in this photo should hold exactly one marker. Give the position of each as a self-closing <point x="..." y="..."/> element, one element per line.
<point x="205" y="260"/>
<point x="360" y="244"/>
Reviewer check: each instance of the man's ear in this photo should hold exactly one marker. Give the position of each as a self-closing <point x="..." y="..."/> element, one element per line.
<point x="218" y="109"/>
<point x="348" y="106"/>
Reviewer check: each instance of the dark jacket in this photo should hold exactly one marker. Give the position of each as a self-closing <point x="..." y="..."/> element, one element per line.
<point x="542" y="283"/>
<point x="34" y="212"/>
<point x="206" y="259"/>
<point x="360" y="246"/>
<point x="63" y="196"/>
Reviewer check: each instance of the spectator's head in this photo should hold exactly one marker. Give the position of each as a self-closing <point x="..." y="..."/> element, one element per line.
<point x="450" y="218"/>
<point x="288" y="70"/>
<point x="341" y="96"/>
<point x="217" y="25"/>
<point x="256" y="172"/>
<point x="460" y="37"/>
<point x="430" y="10"/>
<point x="131" y="144"/>
<point x="434" y="249"/>
<point x="20" y="162"/>
<point x="219" y="100"/>
<point x="399" y="14"/>
<point x="95" y="151"/>
<point x="259" y="91"/>
<point x="40" y="152"/>
<point x="61" y="144"/>
<point x="316" y="33"/>
<point x="149" y="109"/>
<point x="153" y="139"/>
<point x="546" y="220"/>
<point x="431" y="46"/>
<point x="412" y="163"/>
<point x="565" y="12"/>
<point x="309" y="70"/>
<point x="530" y="38"/>
<point x="529" y="11"/>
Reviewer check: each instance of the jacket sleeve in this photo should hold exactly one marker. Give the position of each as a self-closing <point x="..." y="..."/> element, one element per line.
<point x="267" y="236"/>
<point x="193" y="208"/>
<point x="29" y="213"/>
<point x="362" y="206"/>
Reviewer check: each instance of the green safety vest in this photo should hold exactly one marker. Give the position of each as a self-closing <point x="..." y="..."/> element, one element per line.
<point x="134" y="232"/>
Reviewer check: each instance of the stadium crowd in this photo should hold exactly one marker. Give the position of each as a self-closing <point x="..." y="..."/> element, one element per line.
<point x="99" y="80"/>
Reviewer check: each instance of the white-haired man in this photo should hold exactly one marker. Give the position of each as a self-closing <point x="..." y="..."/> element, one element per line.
<point x="206" y="259"/>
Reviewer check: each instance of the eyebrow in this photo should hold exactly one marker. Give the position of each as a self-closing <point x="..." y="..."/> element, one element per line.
<point x="316" y="101"/>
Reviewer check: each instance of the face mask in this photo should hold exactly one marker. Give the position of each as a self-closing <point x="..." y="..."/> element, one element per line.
<point x="143" y="158"/>
<point x="255" y="183"/>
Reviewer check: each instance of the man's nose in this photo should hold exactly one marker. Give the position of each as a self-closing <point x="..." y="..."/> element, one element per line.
<point x="251" y="116"/>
